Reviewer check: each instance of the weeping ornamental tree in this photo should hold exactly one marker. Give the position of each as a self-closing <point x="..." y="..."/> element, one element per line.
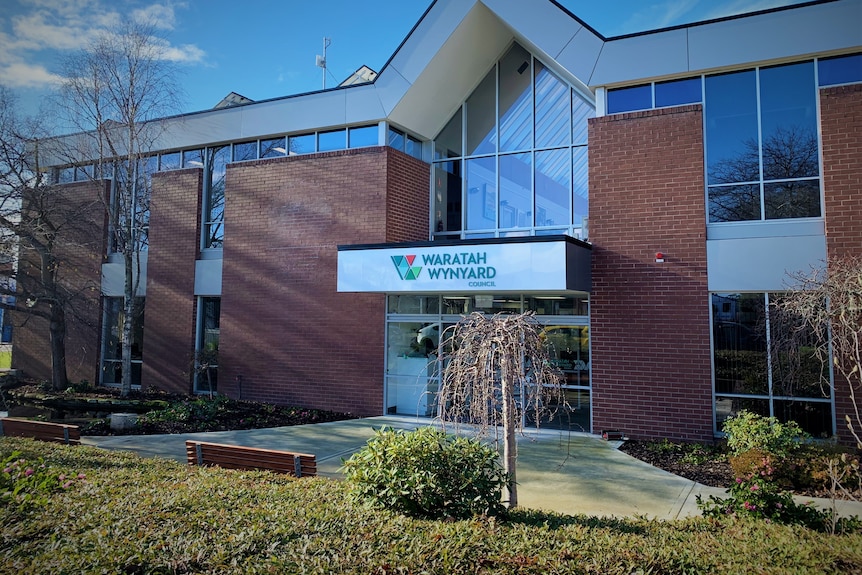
<point x="828" y="304"/>
<point x="497" y="369"/>
<point x="113" y="94"/>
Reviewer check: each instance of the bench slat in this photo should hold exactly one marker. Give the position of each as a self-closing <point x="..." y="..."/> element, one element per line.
<point x="41" y="430"/>
<point x="243" y="457"/>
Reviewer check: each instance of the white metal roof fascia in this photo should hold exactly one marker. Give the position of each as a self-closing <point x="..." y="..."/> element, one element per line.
<point x="782" y="35"/>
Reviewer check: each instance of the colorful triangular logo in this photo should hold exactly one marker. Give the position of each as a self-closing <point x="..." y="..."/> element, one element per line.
<point x="404" y="265"/>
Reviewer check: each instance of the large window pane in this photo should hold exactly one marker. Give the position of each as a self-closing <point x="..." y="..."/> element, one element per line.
<point x="193" y="158"/>
<point x="840" y="70"/>
<point x="553" y="193"/>
<point x="731" y="128"/>
<point x="481" y="193"/>
<point x="553" y="119"/>
<point x="678" y="92"/>
<point x="734" y="203"/>
<point x="447" y="144"/>
<point x="580" y="183"/>
<point x="516" y="191"/>
<point x="796" y="369"/>
<point x="795" y="199"/>
<point x="301" y="144"/>
<point x="272" y="148"/>
<point x="582" y="111"/>
<point x="410" y="383"/>
<point x="516" y="101"/>
<point x="170" y="161"/>
<point x="332" y="140"/>
<point x="480" y="115"/>
<point x="447" y="196"/>
<point x="813" y="417"/>
<point x="217" y="160"/>
<point x="206" y="379"/>
<point x="629" y="99"/>
<point x="362" y="137"/>
<point x="244" y="151"/>
<point x="112" y="341"/>
<point x="143" y="192"/>
<point x="739" y="343"/>
<point x="789" y="121"/>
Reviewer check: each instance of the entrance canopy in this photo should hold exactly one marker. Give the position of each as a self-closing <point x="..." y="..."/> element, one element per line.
<point x="524" y="264"/>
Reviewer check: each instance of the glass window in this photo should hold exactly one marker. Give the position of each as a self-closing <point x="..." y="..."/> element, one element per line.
<point x="516" y="191"/>
<point x="557" y="305"/>
<point x="840" y="70"/>
<point x="731" y="128"/>
<point x="788" y="111"/>
<point x="193" y="158"/>
<point x="66" y="175"/>
<point x="678" y="92"/>
<point x="553" y="187"/>
<point x="244" y="151"/>
<point x="553" y="117"/>
<point x="84" y="173"/>
<point x="395" y="139"/>
<point x="272" y="148"/>
<point x="302" y="144"/>
<point x="206" y="356"/>
<point x="481" y="193"/>
<point x="516" y="101"/>
<point x="447" y="144"/>
<point x="217" y="160"/>
<point x="480" y="116"/>
<point x="630" y="99"/>
<point x="413" y="304"/>
<point x="447" y="196"/>
<point x="414" y="147"/>
<point x="411" y="382"/>
<point x="143" y="192"/>
<point x="734" y="203"/>
<point x="794" y="199"/>
<point x="332" y="140"/>
<point x="581" y="112"/>
<point x="769" y="371"/>
<point x="170" y="161"/>
<point x="112" y="341"/>
<point x="362" y="137"/>
<point x="580" y="182"/>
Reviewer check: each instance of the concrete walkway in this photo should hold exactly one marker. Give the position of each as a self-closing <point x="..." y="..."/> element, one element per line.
<point x="572" y="473"/>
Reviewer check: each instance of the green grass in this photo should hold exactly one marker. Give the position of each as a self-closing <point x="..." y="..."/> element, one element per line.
<point x="135" y="515"/>
<point x="6" y="359"/>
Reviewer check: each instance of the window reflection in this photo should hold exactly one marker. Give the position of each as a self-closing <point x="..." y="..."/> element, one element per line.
<point x="553" y="120"/>
<point x="480" y="116"/>
<point x="515" y="101"/>
<point x="217" y="160"/>
<point x="629" y="99"/>
<point x="553" y="195"/>
<point x="516" y="196"/>
<point x="272" y="148"/>
<point x="447" y="196"/>
<point x="333" y="140"/>
<point x="481" y="193"/>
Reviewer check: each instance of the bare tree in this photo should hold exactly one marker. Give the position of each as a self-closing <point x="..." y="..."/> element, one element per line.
<point x="114" y="93"/>
<point x="497" y="370"/>
<point x="41" y="230"/>
<point x="827" y="304"/>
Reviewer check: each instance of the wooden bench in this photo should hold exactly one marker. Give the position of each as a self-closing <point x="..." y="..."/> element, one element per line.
<point x="242" y="457"/>
<point x="42" y="430"/>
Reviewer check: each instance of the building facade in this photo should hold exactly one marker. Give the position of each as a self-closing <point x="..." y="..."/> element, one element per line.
<point x="646" y="196"/>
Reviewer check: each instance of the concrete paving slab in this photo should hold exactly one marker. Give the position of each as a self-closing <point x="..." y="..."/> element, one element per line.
<point x="572" y="473"/>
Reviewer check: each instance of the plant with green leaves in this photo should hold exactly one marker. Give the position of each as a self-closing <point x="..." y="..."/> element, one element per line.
<point x="25" y="484"/>
<point x="427" y="473"/>
<point x="748" y="430"/>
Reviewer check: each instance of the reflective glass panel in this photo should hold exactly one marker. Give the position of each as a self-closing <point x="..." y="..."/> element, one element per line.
<point x="840" y="70"/>
<point x="793" y="199"/>
<point x="813" y="417"/>
<point x="678" y="92"/>
<point x="302" y="144"/>
<point x="206" y="379"/>
<point x="553" y="117"/>
<point x="447" y="144"/>
<point x="553" y="191"/>
<point x="481" y="193"/>
<point x="413" y="304"/>
<point x="557" y="305"/>
<point x="580" y="181"/>
<point x="516" y="191"/>
<point x="788" y="111"/>
<point x="193" y="158"/>
<point x="480" y="117"/>
<point x="734" y="203"/>
<point x="170" y="161"/>
<point x="363" y="136"/>
<point x="395" y="139"/>
<point x="731" y="406"/>
<point x="629" y="99"/>
<point x="516" y="101"/>
<point x="66" y="175"/>
<point x="143" y="192"/>
<point x="796" y="370"/>
<point x="272" y="148"/>
<point x="414" y="147"/>
<point x="581" y="112"/>
<point x="447" y="196"/>
<point x="410" y="368"/>
<point x="333" y="140"/>
<point x="732" y="154"/>
<point x="739" y="343"/>
<point x="217" y="160"/>
<point x="244" y="151"/>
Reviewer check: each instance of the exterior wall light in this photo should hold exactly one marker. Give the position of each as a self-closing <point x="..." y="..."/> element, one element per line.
<point x="659" y="257"/>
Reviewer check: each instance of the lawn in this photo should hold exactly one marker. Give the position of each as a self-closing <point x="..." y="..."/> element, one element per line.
<point x="134" y="515"/>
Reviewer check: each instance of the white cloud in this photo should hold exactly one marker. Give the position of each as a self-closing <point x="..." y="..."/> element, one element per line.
<point x="47" y="29"/>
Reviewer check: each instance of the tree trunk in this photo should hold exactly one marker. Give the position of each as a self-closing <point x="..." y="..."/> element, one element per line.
<point x="57" y="329"/>
<point x="128" y="322"/>
<point x="510" y="453"/>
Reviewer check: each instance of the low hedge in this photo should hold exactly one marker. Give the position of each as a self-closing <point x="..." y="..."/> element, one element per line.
<point x="134" y="515"/>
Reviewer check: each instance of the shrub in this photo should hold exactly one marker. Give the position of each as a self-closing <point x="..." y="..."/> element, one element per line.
<point x="427" y="473"/>
<point x="748" y="430"/>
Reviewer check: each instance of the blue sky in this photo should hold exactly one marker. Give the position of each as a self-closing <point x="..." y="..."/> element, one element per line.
<point x="266" y="48"/>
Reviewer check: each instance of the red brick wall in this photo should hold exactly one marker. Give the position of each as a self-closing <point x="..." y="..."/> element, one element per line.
<point x="79" y="253"/>
<point x="650" y="330"/>
<point x="841" y="133"/>
<point x="284" y="329"/>
<point x="169" y="322"/>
